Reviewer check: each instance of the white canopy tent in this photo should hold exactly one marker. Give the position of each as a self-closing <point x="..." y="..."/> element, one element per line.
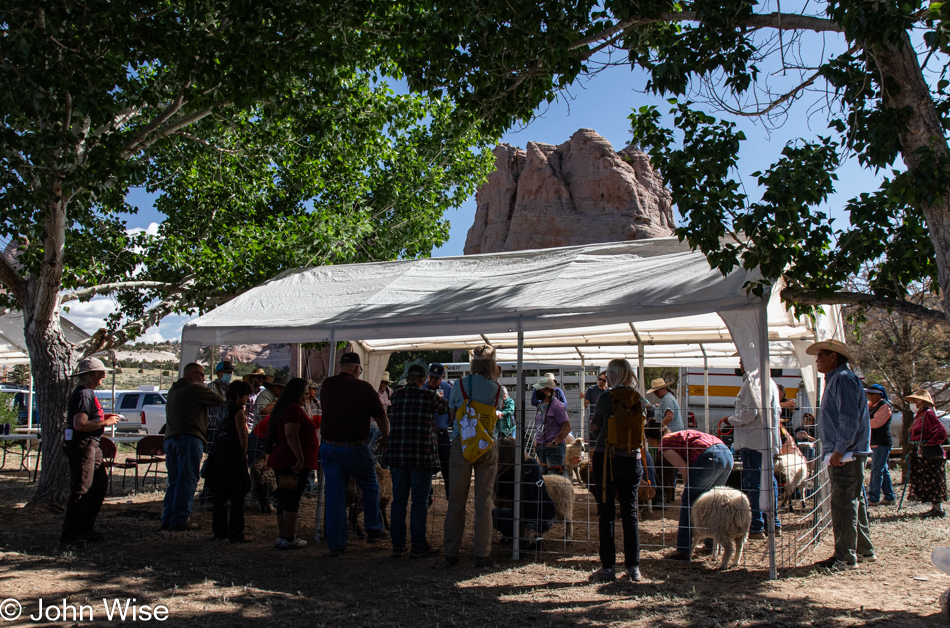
<point x="630" y="299"/>
<point x="652" y="298"/>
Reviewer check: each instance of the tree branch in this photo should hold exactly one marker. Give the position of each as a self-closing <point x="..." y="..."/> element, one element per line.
<point x="906" y="308"/>
<point x="174" y="128"/>
<point x="180" y="298"/>
<point x="11" y="279"/>
<point x="159" y="120"/>
<point x="106" y="288"/>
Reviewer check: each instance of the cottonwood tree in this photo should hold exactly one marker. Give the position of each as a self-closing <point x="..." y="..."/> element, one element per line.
<point x="869" y="75"/>
<point x="264" y="128"/>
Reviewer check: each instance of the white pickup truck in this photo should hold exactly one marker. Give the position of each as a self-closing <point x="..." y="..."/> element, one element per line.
<point x="143" y="409"/>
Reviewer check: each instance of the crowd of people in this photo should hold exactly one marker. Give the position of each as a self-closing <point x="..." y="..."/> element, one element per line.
<point x="268" y="435"/>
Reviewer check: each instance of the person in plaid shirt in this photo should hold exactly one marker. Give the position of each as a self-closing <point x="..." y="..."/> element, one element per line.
<point x="412" y="458"/>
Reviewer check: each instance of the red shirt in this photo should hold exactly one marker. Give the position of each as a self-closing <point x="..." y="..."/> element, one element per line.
<point x="348" y="405"/>
<point x="283" y="456"/>
<point x="689" y="444"/>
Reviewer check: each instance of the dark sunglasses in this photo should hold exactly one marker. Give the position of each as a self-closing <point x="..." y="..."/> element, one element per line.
<point x="601" y="379"/>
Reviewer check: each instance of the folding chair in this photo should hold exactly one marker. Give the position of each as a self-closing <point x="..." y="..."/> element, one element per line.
<point x="109" y="451"/>
<point x="148" y="451"/>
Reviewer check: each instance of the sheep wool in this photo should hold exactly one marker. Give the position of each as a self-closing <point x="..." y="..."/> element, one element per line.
<point x="723" y="514"/>
<point x="561" y="491"/>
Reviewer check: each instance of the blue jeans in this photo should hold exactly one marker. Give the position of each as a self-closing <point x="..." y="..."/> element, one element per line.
<point x="551" y="456"/>
<point x="419" y="482"/>
<point x="710" y="469"/>
<point x="183" y="462"/>
<point x="752" y="484"/>
<point x="880" y="476"/>
<point x="339" y="464"/>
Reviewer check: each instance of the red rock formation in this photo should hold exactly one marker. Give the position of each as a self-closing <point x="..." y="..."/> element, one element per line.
<point x="580" y="192"/>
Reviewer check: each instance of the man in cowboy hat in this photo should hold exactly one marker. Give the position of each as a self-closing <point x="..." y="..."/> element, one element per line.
<point x="186" y="434"/>
<point x="87" y="476"/>
<point x="752" y="440"/>
<point x="844" y="427"/>
<point x="668" y="411"/>
<point x="256" y="379"/>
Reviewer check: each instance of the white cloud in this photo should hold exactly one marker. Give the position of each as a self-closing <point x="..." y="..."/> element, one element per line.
<point x="151" y="229"/>
<point x="90" y="316"/>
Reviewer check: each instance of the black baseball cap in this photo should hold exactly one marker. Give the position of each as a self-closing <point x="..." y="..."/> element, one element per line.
<point x="436" y="369"/>
<point x="350" y="358"/>
<point x="418" y="369"/>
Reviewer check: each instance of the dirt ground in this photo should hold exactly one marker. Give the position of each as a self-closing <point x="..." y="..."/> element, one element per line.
<point x="211" y="583"/>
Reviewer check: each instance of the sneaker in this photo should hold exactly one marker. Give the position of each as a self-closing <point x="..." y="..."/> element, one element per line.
<point x="834" y="564"/>
<point x="451" y="561"/>
<point x="374" y="536"/>
<point x="188" y="526"/>
<point x="297" y="543"/>
<point x="877" y="503"/>
<point x="278" y="543"/>
<point x="934" y="514"/>
<point x="634" y="574"/>
<point x="757" y="534"/>
<point x="888" y="502"/>
<point x="398" y="551"/>
<point x="604" y="574"/>
<point x="867" y="558"/>
<point x="335" y="553"/>
<point x="677" y="555"/>
<point x="423" y="552"/>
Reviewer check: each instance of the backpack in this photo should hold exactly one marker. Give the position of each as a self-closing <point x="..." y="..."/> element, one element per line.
<point x="476" y="424"/>
<point x="625" y="425"/>
<point x="624" y="428"/>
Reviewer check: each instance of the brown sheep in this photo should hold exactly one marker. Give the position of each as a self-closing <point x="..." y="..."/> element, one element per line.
<point x="561" y="491"/>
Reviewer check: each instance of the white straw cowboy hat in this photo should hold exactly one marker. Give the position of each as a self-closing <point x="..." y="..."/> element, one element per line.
<point x="385" y="378"/>
<point x="920" y="395"/>
<point x="829" y="345"/>
<point x="658" y="384"/>
<point x="90" y="365"/>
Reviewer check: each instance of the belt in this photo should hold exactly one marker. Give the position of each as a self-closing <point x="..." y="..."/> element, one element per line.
<point x="352" y="443"/>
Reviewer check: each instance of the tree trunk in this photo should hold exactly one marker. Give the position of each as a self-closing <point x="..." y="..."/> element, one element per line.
<point x="52" y="360"/>
<point x="905" y="88"/>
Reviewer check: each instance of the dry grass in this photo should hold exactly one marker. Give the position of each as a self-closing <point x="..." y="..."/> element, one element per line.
<point x="208" y="583"/>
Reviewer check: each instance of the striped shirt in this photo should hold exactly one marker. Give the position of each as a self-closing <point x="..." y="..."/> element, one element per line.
<point x="844" y="423"/>
<point x="689" y="444"/>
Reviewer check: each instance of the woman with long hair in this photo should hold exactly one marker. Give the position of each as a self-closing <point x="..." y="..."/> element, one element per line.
<point x="227" y="474"/>
<point x="928" y="473"/>
<point x="481" y="387"/>
<point x="292" y="445"/>
<point x="621" y="477"/>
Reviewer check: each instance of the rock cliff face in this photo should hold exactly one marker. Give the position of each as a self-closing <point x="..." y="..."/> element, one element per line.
<point x="580" y="192"/>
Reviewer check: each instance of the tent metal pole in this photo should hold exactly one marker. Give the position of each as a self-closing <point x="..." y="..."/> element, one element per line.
<point x="521" y="431"/>
<point x="115" y="358"/>
<point x="765" y="379"/>
<point x="705" y="389"/>
<point x="641" y="360"/>
<point x="29" y="404"/>
<point x="583" y="387"/>
<point x="321" y="484"/>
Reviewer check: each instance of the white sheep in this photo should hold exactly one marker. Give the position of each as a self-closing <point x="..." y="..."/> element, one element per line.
<point x="561" y="491"/>
<point x="793" y="469"/>
<point x="573" y="458"/>
<point x="723" y="514"/>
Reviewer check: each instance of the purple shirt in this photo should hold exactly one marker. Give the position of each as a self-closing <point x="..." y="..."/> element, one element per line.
<point x="548" y="421"/>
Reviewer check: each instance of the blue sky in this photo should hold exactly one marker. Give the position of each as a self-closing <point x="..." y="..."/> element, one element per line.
<point x="602" y="104"/>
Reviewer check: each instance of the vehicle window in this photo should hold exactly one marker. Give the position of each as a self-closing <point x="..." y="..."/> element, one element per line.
<point x="130" y="402"/>
<point x="154" y="400"/>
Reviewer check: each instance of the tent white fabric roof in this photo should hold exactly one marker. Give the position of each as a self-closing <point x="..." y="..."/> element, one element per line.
<point x="13" y="349"/>
<point x="592" y="300"/>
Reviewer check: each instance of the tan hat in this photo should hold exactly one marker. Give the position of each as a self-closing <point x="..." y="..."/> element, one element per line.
<point x="386" y="378"/>
<point x="544" y="382"/>
<point x="90" y="365"/>
<point x="258" y="372"/>
<point x="920" y="395"/>
<point x="829" y="345"/>
<point x="658" y="384"/>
